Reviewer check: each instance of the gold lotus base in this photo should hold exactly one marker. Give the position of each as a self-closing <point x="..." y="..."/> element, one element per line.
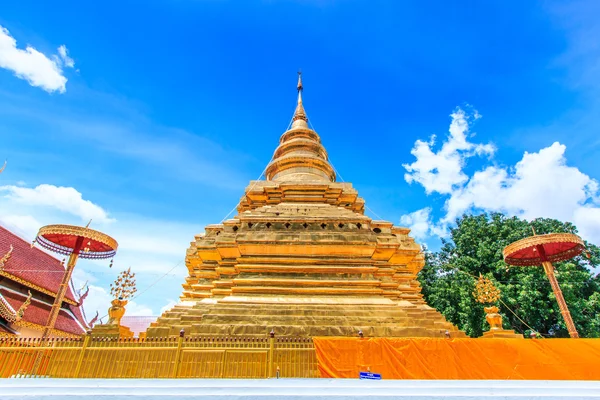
<point x="494" y="318"/>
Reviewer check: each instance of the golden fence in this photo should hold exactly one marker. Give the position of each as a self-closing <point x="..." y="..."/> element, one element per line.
<point x="189" y="357"/>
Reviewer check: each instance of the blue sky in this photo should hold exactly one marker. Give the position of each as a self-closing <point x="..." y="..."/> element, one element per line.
<point x="152" y="119"/>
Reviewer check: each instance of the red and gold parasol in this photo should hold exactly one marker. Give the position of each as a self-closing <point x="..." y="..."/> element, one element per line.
<point x="74" y="241"/>
<point x="544" y="250"/>
<point x="69" y="239"/>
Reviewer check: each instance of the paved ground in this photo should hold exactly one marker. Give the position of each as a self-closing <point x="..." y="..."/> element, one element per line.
<point x="300" y="389"/>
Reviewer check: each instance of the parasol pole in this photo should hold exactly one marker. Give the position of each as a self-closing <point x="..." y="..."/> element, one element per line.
<point x="62" y="289"/>
<point x="562" y="304"/>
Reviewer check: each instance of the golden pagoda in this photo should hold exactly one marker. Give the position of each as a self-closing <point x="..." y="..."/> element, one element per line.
<point x="302" y="259"/>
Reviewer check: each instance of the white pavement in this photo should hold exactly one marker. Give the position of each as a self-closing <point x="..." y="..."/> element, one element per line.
<point x="300" y="389"/>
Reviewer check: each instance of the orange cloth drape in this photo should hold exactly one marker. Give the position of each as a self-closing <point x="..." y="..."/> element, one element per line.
<point x="429" y="358"/>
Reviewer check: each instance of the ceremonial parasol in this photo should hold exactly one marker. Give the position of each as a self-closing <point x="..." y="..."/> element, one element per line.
<point x="544" y="250"/>
<point x="76" y="242"/>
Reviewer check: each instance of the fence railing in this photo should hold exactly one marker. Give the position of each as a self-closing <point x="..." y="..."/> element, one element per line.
<point x="183" y="357"/>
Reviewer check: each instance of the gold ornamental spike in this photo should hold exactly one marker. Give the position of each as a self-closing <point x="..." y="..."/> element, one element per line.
<point x="5" y="258"/>
<point x="4" y="166"/>
<point x="300" y="113"/>
<point x="23" y="307"/>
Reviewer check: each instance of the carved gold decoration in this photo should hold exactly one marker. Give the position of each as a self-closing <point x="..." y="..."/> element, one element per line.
<point x="23" y="307"/>
<point x="6" y="310"/>
<point x="124" y="286"/>
<point x="6" y="257"/>
<point x="485" y="292"/>
<point x="122" y="289"/>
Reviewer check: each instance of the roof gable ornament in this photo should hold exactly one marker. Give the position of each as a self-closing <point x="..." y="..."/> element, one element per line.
<point x="21" y="312"/>
<point x="6" y="257"/>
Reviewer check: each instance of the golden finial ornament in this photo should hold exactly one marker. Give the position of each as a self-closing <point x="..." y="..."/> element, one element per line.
<point x="4" y="166"/>
<point x="300" y="114"/>
<point x="300" y="80"/>
<point x="122" y="289"/>
<point x="487" y="293"/>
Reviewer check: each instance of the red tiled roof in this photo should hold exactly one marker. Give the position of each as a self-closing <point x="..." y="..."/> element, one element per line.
<point x="37" y="313"/>
<point x="32" y="264"/>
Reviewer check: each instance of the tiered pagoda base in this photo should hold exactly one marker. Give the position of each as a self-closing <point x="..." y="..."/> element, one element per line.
<point x="303" y="317"/>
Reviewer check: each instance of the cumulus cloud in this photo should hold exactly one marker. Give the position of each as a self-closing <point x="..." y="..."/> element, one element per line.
<point x="33" y="66"/>
<point x="419" y="222"/>
<point x="541" y="184"/>
<point x="66" y="199"/>
<point x="442" y="171"/>
<point x="63" y="57"/>
<point x="26" y="226"/>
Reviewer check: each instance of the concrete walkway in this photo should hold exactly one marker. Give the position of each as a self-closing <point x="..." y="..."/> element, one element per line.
<point x="338" y="389"/>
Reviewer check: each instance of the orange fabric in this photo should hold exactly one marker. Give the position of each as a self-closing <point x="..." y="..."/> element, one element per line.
<point x="429" y="358"/>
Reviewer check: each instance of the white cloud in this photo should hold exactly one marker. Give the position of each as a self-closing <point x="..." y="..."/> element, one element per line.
<point x="66" y="199"/>
<point x="34" y="66"/>
<point x="541" y="184"/>
<point x="64" y="57"/>
<point x="419" y="222"/>
<point x="99" y="300"/>
<point x="442" y="171"/>
<point x="25" y="226"/>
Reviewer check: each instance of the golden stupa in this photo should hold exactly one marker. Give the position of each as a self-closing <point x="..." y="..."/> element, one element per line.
<point x="302" y="259"/>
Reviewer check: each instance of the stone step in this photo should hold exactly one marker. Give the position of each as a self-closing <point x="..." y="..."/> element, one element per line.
<point x="299" y="312"/>
<point x="274" y="306"/>
<point x="302" y="320"/>
<point x="311" y="331"/>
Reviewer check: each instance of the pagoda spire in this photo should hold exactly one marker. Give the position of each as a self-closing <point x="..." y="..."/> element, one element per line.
<point x="300" y="114"/>
<point x="300" y="155"/>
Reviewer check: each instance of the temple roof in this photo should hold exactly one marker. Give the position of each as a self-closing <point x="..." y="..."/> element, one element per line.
<point x="69" y="319"/>
<point x="31" y="267"/>
<point x="300" y="155"/>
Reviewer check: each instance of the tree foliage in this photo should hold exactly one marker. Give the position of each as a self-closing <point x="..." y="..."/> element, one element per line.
<point x="475" y="247"/>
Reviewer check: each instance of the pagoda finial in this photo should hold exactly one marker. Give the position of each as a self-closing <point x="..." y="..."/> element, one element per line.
<point x="300" y="114"/>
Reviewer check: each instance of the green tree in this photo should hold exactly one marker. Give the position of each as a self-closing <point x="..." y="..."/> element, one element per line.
<point x="475" y="247"/>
